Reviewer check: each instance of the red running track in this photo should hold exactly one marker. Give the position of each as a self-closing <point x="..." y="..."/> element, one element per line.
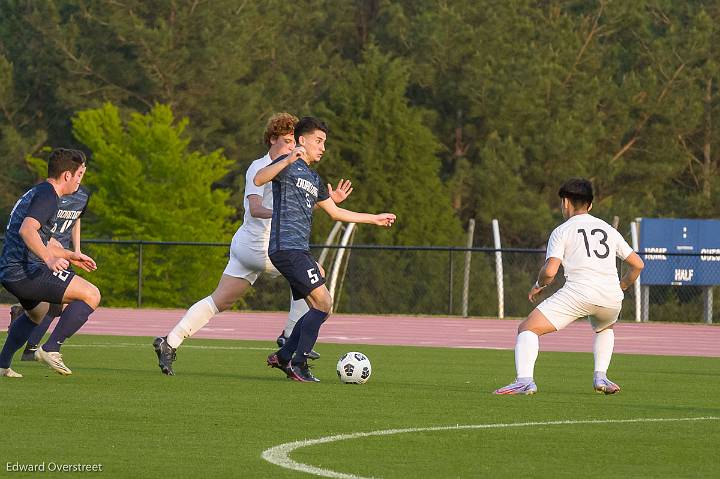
<point x="651" y="338"/>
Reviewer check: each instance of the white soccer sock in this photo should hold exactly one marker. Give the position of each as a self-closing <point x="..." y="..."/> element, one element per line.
<point x="526" y="352"/>
<point x="297" y="309"/>
<point x="603" y="349"/>
<point x="195" y="318"/>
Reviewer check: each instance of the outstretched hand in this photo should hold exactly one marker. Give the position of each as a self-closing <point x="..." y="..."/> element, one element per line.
<point x="343" y="190"/>
<point x="83" y="261"/>
<point x="385" y="219"/>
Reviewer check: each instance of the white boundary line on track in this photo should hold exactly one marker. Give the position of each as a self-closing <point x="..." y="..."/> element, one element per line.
<point x="280" y="455"/>
<point x="185" y="346"/>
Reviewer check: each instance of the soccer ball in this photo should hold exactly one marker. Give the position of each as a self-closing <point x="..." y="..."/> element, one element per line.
<point x="354" y="368"/>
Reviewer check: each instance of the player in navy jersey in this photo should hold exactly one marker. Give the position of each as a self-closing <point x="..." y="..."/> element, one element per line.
<point x="296" y="190"/>
<point x="66" y="232"/>
<point x="34" y="269"/>
<point x="248" y="250"/>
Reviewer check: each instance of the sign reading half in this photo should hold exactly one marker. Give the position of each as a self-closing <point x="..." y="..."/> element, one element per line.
<point x="680" y="252"/>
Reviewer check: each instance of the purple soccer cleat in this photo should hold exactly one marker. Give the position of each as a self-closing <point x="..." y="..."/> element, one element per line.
<point x="524" y="386"/>
<point x="602" y="384"/>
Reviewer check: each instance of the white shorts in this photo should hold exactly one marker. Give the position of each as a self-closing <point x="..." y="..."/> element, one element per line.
<point x="248" y="263"/>
<point x="564" y="307"/>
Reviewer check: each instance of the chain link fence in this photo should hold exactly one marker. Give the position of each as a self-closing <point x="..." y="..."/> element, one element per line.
<point x="371" y="280"/>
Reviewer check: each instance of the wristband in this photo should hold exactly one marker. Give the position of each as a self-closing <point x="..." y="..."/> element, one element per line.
<point x="537" y="286"/>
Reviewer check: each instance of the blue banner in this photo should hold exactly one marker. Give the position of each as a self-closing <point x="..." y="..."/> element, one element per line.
<point x="680" y="252"/>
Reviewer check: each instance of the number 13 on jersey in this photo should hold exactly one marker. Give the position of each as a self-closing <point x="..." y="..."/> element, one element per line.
<point x="600" y="253"/>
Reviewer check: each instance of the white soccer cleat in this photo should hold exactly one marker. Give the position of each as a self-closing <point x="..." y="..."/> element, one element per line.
<point x="521" y="386"/>
<point x="9" y="373"/>
<point x="54" y="360"/>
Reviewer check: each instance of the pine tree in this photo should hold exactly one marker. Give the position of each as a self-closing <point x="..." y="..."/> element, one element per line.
<point x="383" y="145"/>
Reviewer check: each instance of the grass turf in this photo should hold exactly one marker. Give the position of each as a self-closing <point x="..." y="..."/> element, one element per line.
<point x="224" y="408"/>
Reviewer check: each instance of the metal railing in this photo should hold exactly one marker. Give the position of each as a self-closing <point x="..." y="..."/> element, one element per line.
<point x="451" y="271"/>
<point x="374" y="279"/>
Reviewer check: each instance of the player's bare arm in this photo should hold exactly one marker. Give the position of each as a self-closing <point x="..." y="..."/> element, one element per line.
<point x="29" y="233"/>
<point x="267" y="174"/>
<point x="341" y="214"/>
<point x="257" y="210"/>
<point x="545" y="277"/>
<point x="76" y="235"/>
<point x="635" y="266"/>
<point x="77" y="258"/>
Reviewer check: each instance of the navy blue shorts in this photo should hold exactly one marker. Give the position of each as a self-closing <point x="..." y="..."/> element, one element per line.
<point x="300" y="269"/>
<point x="40" y="286"/>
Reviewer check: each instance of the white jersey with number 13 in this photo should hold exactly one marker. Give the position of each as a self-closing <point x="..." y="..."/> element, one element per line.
<point x="588" y="248"/>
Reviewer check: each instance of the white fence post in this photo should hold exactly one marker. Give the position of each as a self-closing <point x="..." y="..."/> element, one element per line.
<point x="708" y="304"/>
<point x="636" y="247"/>
<point x="468" y="257"/>
<point x="339" y="257"/>
<point x="499" y="270"/>
<point x="331" y="237"/>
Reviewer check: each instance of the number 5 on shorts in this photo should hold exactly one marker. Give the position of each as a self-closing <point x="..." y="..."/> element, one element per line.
<point x="314" y="278"/>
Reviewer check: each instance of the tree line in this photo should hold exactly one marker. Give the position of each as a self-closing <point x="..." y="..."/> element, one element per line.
<point x="440" y="111"/>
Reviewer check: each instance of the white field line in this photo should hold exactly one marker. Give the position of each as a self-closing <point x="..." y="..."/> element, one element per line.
<point x="279" y="455"/>
<point x="184" y="346"/>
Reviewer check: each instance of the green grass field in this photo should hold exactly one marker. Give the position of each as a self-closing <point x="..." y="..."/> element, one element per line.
<point x="225" y="407"/>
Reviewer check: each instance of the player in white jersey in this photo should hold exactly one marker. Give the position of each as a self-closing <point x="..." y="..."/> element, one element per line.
<point x="248" y="250"/>
<point x="587" y="248"/>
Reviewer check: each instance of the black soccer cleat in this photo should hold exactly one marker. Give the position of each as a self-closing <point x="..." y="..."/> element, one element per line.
<point x="166" y="355"/>
<point x="301" y="373"/>
<point x="29" y="352"/>
<point x="313" y="355"/>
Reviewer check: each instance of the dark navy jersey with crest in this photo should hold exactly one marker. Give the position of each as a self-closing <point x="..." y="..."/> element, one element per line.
<point x="296" y="189"/>
<point x="41" y="203"/>
<point x="70" y="208"/>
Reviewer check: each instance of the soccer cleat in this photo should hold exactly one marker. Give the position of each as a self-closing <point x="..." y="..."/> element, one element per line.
<point x="52" y="359"/>
<point x="29" y="353"/>
<point x="301" y="373"/>
<point x="605" y="386"/>
<point x="525" y="387"/>
<point x="274" y="361"/>
<point x="15" y="312"/>
<point x="9" y="373"/>
<point x="166" y="355"/>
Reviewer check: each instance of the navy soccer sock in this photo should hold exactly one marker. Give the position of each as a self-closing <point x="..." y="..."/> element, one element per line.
<point x="71" y="320"/>
<point x="291" y="343"/>
<point x="313" y="319"/>
<point x="18" y="333"/>
<point x="40" y="331"/>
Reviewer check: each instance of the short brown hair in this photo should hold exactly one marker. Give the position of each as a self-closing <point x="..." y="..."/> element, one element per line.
<point x="64" y="159"/>
<point x="278" y="125"/>
<point x="308" y="124"/>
